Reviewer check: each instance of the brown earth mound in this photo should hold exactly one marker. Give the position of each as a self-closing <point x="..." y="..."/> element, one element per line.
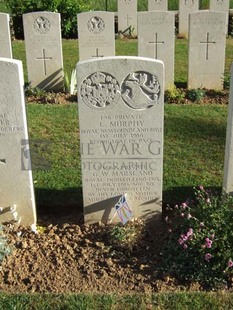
<point x="80" y="258"/>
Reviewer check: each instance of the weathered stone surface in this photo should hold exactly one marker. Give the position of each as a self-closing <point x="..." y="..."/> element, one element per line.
<point x="120" y="101"/>
<point x="223" y="6"/>
<point x="228" y="162"/>
<point x="42" y="32"/>
<point x="17" y="202"/>
<point x="5" y="37"/>
<point x="157" y="5"/>
<point x="156" y="39"/>
<point x="96" y="35"/>
<point x="185" y="8"/>
<point x="207" y="41"/>
<point x="127" y="16"/>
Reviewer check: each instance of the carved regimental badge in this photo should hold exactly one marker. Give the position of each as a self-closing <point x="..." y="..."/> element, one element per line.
<point x="100" y="90"/>
<point x="189" y="3"/>
<point x="96" y="25"/>
<point x="42" y="25"/>
<point x="140" y="90"/>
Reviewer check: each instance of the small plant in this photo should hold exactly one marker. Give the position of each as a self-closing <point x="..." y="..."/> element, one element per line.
<point x="33" y="91"/>
<point x="226" y="81"/>
<point x="195" y="95"/>
<point x="125" y="235"/>
<point x="70" y="83"/>
<point x="174" y="95"/>
<point x="5" y="249"/>
<point x="200" y="246"/>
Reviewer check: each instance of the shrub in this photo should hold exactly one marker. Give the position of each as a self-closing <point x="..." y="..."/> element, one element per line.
<point x="174" y="95"/>
<point x="200" y="246"/>
<point x="195" y="95"/>
<point x="67" y="8"/>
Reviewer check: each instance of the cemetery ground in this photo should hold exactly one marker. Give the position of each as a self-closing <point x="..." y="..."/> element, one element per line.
<point x="67" y="256"/>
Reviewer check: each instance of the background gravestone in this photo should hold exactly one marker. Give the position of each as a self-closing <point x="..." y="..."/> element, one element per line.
<point x="42" y="32"/>
<point x="5" y="37"/>
<point x="185" y="8"/>
<point x="96" y="35"/>
<point x="157" y="5"/>
<point x="228" y="162"/>
<point x="16" y="191"/>
<point x="207" y="41"/>
<point x="120" y="101"/>
<point x="127" y="15"/>
<point x="221" y="5"/>
<point x="156" y="39"/>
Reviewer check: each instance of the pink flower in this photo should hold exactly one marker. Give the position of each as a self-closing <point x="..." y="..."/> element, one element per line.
<point x="185" y="246"/>
<point x="182" y="214"/>
<point x="184" y="205"/>
<point x="169" y="230"/>
<point x="230" y="263"/>
<point x="208" y="243"/>
<point x="181" y="241"/>
<point x="212" y="236"/>
<point x="189" y="216"/>
<point x="201" y="187"/>
<point x="207" y="200"/>
<point x="208" y="256"/>
<point x="190" y="232"/>
<point x="176" y="207"/>
<point x="202" y="224"/>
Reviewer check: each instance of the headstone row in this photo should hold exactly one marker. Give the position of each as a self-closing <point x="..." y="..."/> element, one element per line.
<point x="96" y="33"/>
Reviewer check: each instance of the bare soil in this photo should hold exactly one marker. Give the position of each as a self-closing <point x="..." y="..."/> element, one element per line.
<point x="75" y="257"/>
<point x="67" y="256"/>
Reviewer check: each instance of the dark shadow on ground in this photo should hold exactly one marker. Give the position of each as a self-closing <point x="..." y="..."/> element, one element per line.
<point x="66" y="206"/>
<point x="181" y="85"/>
<point x="177" y="195"/>
<point x="59" y="206"/>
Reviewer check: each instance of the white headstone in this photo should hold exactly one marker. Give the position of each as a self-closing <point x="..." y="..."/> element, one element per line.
<point x="127" y="15"/>
<point x="223" y="6"/>
<point x="17" y="202"/>
<point x="42" y="32"/>
<point x="5" y="36"/>
<point x="120" y="101"/>
<point x="185" y="8"/>
<point x="96" y="35"/>
<point x="207" y="41"/>
<point x="156" y="39"/>
<point x="157" y="5"/>
<point x="228" y="162"/>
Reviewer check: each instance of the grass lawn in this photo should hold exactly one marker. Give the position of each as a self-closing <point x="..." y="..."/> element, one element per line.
<point x="194" y="142"/>
<point x="166" y="301"/>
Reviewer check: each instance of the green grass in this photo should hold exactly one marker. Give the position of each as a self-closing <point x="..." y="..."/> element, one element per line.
<point x="165" y="301"/>
<point x="193" y="150"/>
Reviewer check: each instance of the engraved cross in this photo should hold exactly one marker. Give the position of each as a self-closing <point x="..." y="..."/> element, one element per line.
<point x="156" y="42"/>
<point x="207" y="42"/>
<point x="44" y="58"/>
<point x="97" y="54"/>
<point x="128" y="18"/>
